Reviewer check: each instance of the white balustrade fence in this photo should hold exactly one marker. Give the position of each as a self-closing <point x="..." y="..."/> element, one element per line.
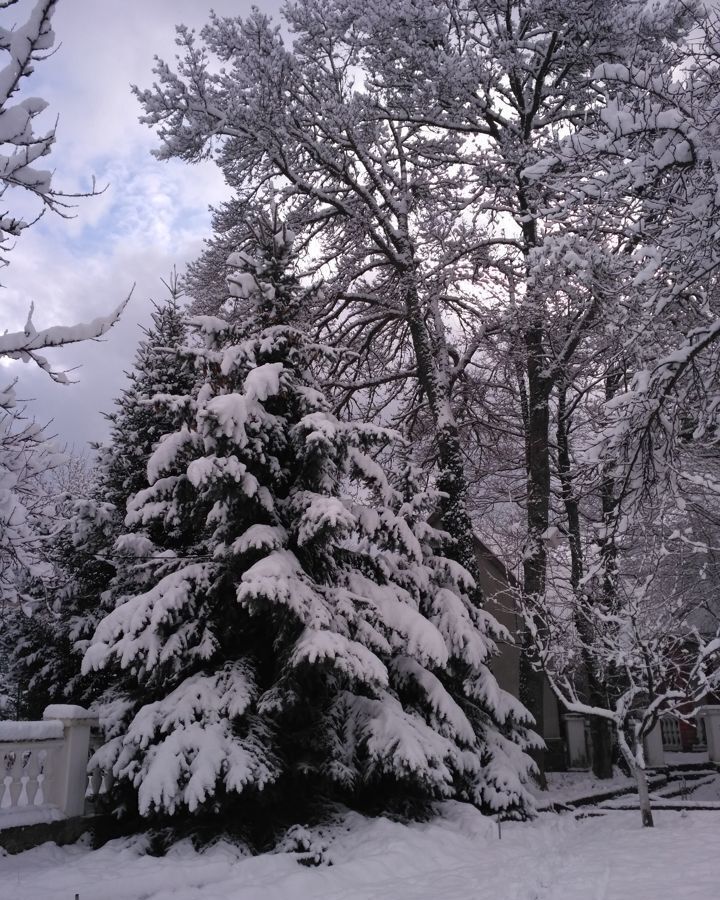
<point x="43" y="766"/>
<point x="579" y="745"/>
<point x="671" y="734"/>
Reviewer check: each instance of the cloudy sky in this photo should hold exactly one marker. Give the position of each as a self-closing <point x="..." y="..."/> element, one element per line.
<point x="152" y="216"/>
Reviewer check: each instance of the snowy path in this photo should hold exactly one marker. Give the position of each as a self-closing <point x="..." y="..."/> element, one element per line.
<point x="456" y="858"/>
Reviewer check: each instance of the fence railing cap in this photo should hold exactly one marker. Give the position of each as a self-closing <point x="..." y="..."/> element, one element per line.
<point x="67" y="712"/>
<point x="30" y="731"/>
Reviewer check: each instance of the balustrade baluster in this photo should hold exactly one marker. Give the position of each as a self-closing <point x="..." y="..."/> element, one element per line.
<point x="16" y="771"/>
<point x="43" y="756"/>
<point x="6" y="761"/>
<point x="33" y="770"/>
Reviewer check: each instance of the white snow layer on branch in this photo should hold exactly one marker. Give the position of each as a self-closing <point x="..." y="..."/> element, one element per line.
<point x="192" y="742"/>
<point x="22" y="44"/>
<point x="28" y="340"/>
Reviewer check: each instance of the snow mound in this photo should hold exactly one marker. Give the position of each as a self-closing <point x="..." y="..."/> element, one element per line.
<point x="455" y="857"/>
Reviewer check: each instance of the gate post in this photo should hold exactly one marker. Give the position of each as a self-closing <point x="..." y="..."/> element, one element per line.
<point x="653" y="746"/>
<point x="70" y="781"/>
<point x="711" y="715"/>
<point x="578" y="757"/>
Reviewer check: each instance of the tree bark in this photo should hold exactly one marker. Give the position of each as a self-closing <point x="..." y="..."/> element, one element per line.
<point x="636" y="762"/>
<point x="644" y="796"/>
<point x="451" y="476"/>
<point x="537" y="463"/>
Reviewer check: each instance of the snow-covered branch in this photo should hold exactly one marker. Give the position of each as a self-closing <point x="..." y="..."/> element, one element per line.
<point x="25" y="344"/>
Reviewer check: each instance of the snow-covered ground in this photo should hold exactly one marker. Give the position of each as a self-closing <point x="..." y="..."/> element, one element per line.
<point x="456" y="857"/>
<point x="695" y="757"/>
<point x="707" y="789"/>
<point x="566" y="787"/>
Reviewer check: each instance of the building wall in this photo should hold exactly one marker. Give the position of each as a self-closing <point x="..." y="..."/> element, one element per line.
<point x="499" y="602"/>
<point x="495" y="582"/>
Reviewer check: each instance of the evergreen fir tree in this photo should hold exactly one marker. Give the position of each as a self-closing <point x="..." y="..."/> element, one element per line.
<point x="299" y="634"/>
<point x="142" y="415"/>
<point x="51" y="632"/>
<point x="51" y="635"/>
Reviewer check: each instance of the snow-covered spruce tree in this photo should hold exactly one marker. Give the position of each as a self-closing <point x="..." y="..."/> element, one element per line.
<point x="142" y="414"/>
<point x="302" y="628"/>
<point x="52" y="628"/>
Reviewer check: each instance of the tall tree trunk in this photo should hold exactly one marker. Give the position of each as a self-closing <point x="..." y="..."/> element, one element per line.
<point x="608" y="551"/>
<point x="606" y="544"/>
<point x="600" y="734"/>
<point x="451" y="476"/>
<point x="537" y="462"/>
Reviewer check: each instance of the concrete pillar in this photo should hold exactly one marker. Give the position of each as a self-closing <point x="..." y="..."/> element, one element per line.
<point x="711" y="717"/>
<point x="69" y="777"/>
<point x="578" y="757"/>
<point x="653" y="747"/>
